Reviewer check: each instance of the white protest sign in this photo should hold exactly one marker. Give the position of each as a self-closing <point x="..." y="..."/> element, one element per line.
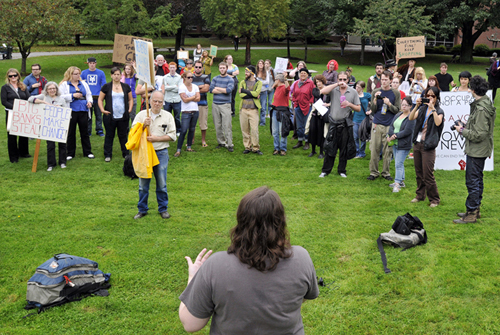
<point x="320" y="108"/>
<point x="39" y="121"/>
<point x="281" y="65"/>
<point x="144" y="61"/>
<point x="450" y="151"/>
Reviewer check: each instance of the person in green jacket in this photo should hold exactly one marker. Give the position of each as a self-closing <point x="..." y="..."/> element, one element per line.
<point x="249" y="111"/>
<point x="478" y="134"/>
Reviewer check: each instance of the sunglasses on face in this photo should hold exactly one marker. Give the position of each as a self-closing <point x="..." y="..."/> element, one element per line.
<point x="189" y="77"/>
<point x="198" y="67"/>
<point x="430" y="96"/>
<point x="12" y="75"/>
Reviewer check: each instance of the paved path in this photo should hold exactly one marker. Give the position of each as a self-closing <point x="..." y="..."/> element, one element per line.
<point x="17" y="55"/>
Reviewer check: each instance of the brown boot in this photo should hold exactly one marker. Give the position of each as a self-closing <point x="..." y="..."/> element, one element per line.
<point x="469" y="217"/>
<point x="463" y="214"/>
<point x="298" y="145"/>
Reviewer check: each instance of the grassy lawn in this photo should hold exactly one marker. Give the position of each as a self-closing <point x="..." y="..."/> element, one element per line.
<point x="448" y="286"/>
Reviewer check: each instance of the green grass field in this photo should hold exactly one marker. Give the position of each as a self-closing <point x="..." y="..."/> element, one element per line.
<point x="448" y="286"/>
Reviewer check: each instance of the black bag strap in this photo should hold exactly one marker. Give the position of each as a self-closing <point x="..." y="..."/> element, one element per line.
<point x="382" y="254"/>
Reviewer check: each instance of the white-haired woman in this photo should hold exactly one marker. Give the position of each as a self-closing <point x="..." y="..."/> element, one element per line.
<point x="52" y="96"/>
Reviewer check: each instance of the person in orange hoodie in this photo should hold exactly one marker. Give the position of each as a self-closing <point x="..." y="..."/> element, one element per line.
<point x="161" y="131"/>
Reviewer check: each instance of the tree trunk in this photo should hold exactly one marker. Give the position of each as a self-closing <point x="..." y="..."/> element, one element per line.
<point x="468" y="41"/>
<point x="178" y="38"/>
<point x="362" y="56"/>
<point x="23" y="63"/>
<point x="183" y="36"/>
<point x="288" y="43"/>
<point x="305" y="50"/>
<point x="248" y="57"/>
<point x="77" y="39"/>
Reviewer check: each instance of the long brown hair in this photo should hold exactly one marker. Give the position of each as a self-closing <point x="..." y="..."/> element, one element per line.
<point x="261" y="73"/>
<point x="260" y="238"/>
<point x="20" y="83"/>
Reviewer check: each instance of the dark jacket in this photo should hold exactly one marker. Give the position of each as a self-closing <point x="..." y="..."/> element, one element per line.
<point x="478" y="132"/>
<point x="335" y="131"/>
<point x="405" y="134"/>
<point x="9" y="95"/>
<point x="107" y="89"/>
<point x="283" y="115"/>
<point x="433" y="132"/>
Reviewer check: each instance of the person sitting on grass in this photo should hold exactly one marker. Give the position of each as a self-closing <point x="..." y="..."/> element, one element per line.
<point x="259" y="284"/>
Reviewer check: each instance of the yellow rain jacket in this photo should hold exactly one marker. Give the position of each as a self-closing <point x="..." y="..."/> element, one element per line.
<point x="143" y="154"/>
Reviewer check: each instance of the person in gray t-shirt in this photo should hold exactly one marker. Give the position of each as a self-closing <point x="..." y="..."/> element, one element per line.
<point x="251" y="292"/>
<point x="343" y="100"/>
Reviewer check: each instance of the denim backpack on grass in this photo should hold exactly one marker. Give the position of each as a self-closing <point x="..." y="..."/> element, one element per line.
<point x="65" y="278"/>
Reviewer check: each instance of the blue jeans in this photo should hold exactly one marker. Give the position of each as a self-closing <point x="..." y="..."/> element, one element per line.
<point x="278" y="141"/>
<point x="474" y="181"/>
<point x="263" y="109"/>
<point x="301" y="123"/>
<point x="188" y="121"/>
<point x="399" y="162"/>
<point x="360" y="145"/>
<point x="176" y="108"/>
<point x="160" y="172"/>
<point x="95" y="110"/>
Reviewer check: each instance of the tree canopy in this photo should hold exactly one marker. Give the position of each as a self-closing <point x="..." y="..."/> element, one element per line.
<point x="27" y="22"/>
<point x="246" y="18"/>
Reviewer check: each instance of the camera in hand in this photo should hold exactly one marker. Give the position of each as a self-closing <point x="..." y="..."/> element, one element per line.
<point x="380" y="97"/>
<point x="457" y="123"/>
<point x="425" y="100"/>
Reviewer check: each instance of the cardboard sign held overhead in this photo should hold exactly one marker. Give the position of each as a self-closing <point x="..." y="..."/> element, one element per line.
<point x="281" y="65"/>
<point x="182" y="54"/>
<point x="39" y="121"/>
<point x="213" y="51"/>
<point x="124" y="48"/>
<point x="144" y="61"/>
<point x="410" y="47"/>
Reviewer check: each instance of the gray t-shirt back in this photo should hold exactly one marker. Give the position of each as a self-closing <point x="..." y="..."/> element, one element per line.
<point x="246" y="301"/>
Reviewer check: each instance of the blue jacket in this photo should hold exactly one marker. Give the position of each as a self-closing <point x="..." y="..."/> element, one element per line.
<point x="30" y="80"/>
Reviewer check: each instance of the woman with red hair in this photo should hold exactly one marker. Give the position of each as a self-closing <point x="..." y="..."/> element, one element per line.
<point x="331" y="74"/>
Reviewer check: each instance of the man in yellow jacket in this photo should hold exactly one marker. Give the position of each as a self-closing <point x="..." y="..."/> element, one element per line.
<point x="161" y="131"/>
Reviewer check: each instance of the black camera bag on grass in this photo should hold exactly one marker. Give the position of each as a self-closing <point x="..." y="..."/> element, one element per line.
<point x="407" y="231"/>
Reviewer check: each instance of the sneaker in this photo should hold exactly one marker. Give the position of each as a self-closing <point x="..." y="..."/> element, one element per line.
<point x="91" y="156"/>
<point x="49" y="168"/>
<point x="268" y="116"/>
<point x="432" y="205"/>
<point x="63" y="166"/>
<point x="220" y="146"/>
<point x="230" y="149"/>
<point x="414" y="200"/>
<point x="101" y="134"/>
<point x="401" y="184"/>
<point x="410" y="156"/>
<point x="343" y="175"/>
<point x="396" y="188"/>
<point x="258" y="152"/>
<point x="322" y="175"/>
<point x="140" y="215"/>
<point x="107" y="159"/>
<point x="69" y="158"/>
<point x="165" y="215"/>
<point x="370" y="177"/>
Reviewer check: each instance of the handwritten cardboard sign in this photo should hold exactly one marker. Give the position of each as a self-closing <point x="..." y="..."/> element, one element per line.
<point x="124" y="48"/>
<point x="39" y="121"/>
<point x="281" y="65"/>
<point x="213" y="51"/>
<point x="410" y="47"/>
<point x="450" y="150"/>
<point x="144" y="61"/>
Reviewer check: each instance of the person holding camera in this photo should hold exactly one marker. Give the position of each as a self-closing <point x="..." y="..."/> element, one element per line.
<point x="478" y="134"/>
<point x="428" y="129"/>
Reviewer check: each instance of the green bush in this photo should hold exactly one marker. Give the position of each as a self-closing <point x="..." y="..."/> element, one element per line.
<point x="482" y="50"/>
<point x="456" y="48"/>
<point x="439" y="49"/>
